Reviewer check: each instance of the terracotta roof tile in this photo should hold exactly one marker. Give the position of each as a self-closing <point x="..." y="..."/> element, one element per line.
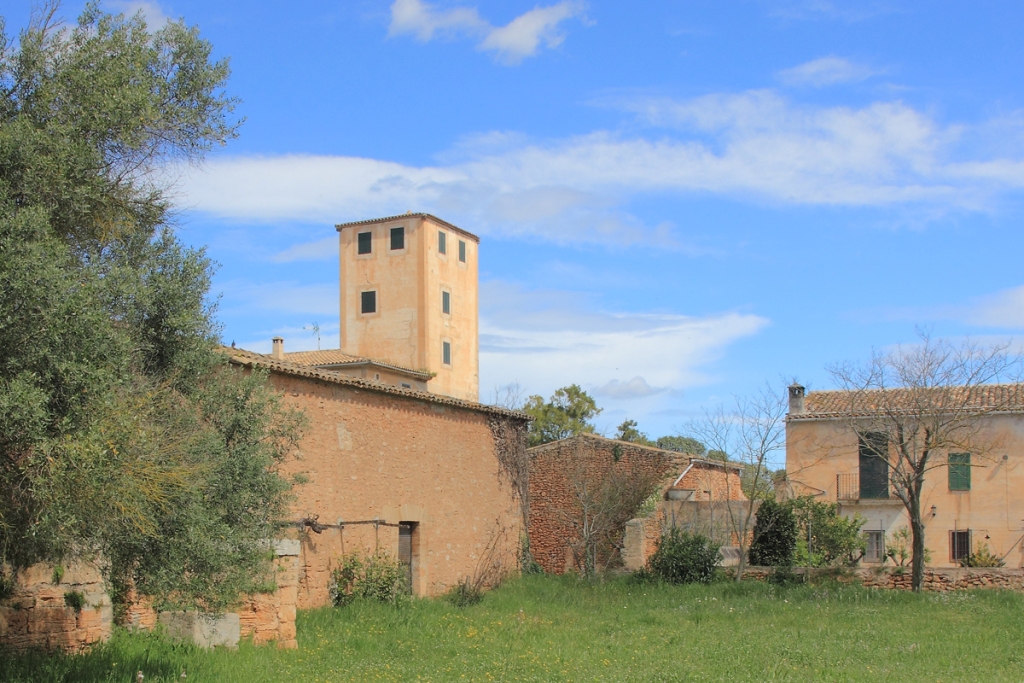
<point x="983" y="398"/>
<point x="337" y="357"/>
<point x="251" y="359"/>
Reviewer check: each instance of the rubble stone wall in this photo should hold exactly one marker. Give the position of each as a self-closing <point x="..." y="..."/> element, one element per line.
<point x="935" y="578"/>
<point x="553" y="502"/>
<point x="40" y="613"/>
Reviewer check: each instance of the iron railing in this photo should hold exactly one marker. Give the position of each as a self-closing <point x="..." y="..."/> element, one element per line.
<point x="850" y="487"/>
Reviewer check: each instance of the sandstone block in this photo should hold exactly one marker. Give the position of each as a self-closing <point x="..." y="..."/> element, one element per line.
<point x="202" y="629"/>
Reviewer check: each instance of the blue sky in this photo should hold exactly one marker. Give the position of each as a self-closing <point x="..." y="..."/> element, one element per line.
<point x="678" y="201"/>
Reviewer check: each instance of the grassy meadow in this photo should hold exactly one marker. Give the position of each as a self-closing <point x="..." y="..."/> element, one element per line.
<point x="564" y="629"/>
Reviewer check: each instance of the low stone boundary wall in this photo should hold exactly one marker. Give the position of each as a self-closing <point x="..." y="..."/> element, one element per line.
<point x="38" y="615"/>
<point x="935" y="578"/>
<point x="269" y="617"/>
<point x="70" y="613"/>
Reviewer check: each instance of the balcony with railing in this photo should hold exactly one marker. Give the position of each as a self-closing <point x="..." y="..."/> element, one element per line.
<point x="854" y="488"/>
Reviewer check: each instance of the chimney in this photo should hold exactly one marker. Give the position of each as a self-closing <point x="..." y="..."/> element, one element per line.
<point x="796" y="399"/>
<point x="278" y="353"/>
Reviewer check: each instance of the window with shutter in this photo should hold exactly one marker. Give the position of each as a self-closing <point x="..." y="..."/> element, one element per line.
<point x="368" y="302"/>
<point x="874" y="466"/>
<point x="959" y="471"/>
<point x="959" y="545"/>
<point x="397" y="239"/>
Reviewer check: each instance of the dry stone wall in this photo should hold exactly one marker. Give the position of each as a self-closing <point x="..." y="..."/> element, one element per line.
<point x="38" y="613"/>
<point x="935" y="578"/>
<point x="553" y="502"/>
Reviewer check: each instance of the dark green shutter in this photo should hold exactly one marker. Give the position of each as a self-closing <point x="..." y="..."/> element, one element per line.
<point x="959" y="471"/>
<point x="874" y="466"/>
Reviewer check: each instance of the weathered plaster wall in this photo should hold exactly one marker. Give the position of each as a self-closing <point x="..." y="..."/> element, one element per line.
<point x="409" y="326"/>
<point x="818" y="450"/>
<point x="369" y="455"/>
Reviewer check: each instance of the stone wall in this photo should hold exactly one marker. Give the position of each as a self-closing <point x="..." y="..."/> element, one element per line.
<point x="711" y="482"/>
<point x="37" y="614"/>
<point x="708" y="518"/>
<point x="553" y="503"/>
<point x="270" y="617"/>
<point x="935" y="578"/>
<point x="399" y="456"/>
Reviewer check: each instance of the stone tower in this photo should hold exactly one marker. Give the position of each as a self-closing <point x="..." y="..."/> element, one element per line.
<point x="409" y="298"/>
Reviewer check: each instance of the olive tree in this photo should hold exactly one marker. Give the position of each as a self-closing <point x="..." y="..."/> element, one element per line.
<point x="124" y="435"/>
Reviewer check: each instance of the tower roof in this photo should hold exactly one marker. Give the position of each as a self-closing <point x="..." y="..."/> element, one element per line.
<point x="387" y="219"/>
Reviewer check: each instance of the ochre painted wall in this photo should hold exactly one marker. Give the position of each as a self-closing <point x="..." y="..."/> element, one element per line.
<point x="409" y="326"/>
<point x="373" y="455"/>
<point x="818" y="450"/>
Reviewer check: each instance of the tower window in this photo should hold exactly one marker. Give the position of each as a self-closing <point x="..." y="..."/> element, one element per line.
<point x="365" y="243"/>
<point x="446" y="353"/>
<point x="368" y="302"/>
<point x="446" y="303"/>
<point x="442" y="242"/>
<point x="397" y="239"/>
<point x="462" y="251"/>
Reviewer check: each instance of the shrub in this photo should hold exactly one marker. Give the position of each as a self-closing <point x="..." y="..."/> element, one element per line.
<point x="983" y="558"/>
<point x="376" y="577"/>
<point x="783" y="575"/>
<point x="899" y="549"/>
<point x="682" y="557"/>
<point x="464" y="593"/>
<point x="774" y="535"/>
<point x="834" y="539"/>
<point x="75" y="600"/>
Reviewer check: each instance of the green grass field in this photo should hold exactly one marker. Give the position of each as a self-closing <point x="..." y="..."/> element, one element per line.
<point x="562" y="629"/>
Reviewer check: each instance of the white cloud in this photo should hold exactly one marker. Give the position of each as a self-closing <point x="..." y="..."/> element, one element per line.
<point x="752" y="145"/>
<point x="320" y="250"/>
<point x="634" y="388"/>
<point x="511" y="43"/>
<point x="424" y="21"/>
<point x="1002" y="309"/>
<point x="524" y="34"/>
<point x="826" y="71"/>
<point x="151" y="11"/>
<point x="544" y="340"/>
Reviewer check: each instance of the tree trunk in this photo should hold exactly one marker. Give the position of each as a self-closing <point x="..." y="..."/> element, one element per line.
<point x="917" y="534"/>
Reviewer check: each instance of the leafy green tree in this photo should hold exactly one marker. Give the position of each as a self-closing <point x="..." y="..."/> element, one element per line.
<point x="627" y="431"/>
<point x="568" y="413"/>
<point x="124" y="435"/>
<point x="825" y="538"/>
<point x="682" y="444"/>
<point x="775" y="533"/>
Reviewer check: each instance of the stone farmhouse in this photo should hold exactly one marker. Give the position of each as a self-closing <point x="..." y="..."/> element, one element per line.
<point x="399" y="456"/>
<point x="969" y="498"/>
<point x="566" y="474"/>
